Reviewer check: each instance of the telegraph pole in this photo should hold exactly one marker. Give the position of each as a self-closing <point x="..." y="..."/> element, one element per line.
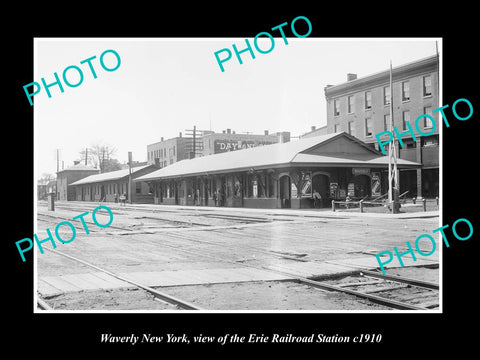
<point x="129" y="177"/>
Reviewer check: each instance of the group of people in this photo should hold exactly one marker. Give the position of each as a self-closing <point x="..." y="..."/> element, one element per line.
<point x="122" y="198"/>
<point x="219" y="197"/>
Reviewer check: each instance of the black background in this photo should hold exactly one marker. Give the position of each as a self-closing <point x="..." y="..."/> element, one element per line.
<point x="79" y="334"/>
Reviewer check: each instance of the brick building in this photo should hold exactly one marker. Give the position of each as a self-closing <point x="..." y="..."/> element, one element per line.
<point x="361" y="107"/>
<point x="68" y="176"/>
<point x="216" y="143"/>
<point x="169" y="151"/>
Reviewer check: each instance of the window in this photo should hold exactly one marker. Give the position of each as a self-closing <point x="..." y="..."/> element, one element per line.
<point x="350" y="104"/>
<point x="165" y="152"/>
<point x="138" y="188"/>
<point x="406" y="118"/>
<point x="386" y="95"/>
<point x="336" y="107"/>
<point x="368" y="99"/>
<point x="336" y="127"/>
<point x="427" y="85"/>
<point x="386" y="122"/>
<point x="430" y="141"/>
<point x="427" y="123"/>
<point x="368" y="127"/>
<point x="173" y="150"/>
<point x="405" y="91"/>
<point x="351" y="128"/>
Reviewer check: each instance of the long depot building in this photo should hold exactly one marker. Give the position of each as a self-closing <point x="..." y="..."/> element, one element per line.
<point x="282" y="175"/>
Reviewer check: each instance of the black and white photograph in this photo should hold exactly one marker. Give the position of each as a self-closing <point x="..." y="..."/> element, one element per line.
<point x="271" y="182"/>
<point x="260" y="187"/>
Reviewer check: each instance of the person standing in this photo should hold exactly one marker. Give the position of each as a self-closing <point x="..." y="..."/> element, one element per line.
<point x="316" y="199"/>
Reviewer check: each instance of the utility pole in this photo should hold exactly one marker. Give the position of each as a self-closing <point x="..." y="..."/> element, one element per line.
<point x="193" y="133"/>
<point x="58" y="162"/>
<point x="194" y="142"/>
<point x="129" y="177"/>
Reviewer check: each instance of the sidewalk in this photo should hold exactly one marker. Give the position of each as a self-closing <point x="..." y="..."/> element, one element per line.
<point x="326" y="212"/>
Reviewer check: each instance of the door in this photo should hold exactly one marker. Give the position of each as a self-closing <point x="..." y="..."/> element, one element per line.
<point x="285" y="188"/>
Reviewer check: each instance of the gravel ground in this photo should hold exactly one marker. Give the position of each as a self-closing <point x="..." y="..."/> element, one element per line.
<point x="272" y="295"/>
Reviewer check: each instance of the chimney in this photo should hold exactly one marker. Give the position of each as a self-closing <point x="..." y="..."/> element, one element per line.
<point x="161" y="139"/>
<point x="229" y="131"/>
<point x="266" y="132"/>
<point x="233" y="132"/>
<point x="223" y="131"/>
<point x="76" y="162"/>
<point x="313" y="128"/>
<point x="180" y="134"/>
<point x="351" y="77"/>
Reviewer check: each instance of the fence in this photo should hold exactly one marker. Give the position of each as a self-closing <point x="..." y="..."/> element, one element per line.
<point x="376" y="202"/>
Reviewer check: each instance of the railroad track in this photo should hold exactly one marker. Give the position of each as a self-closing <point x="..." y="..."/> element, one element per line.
<point x="323" y="285"/>
<point x="165" y="298"/>
<point x="384" y="286"/>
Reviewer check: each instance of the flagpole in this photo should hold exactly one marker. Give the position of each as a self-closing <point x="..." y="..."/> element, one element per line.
<point x="390" y="197"/>
<point x="393" y="191"/>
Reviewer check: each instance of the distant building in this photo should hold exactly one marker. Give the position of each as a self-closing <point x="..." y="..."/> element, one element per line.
<point x="66" y="177"/>
<point x="361" y="107"/>
<point x="169" y="151"/>
<point x="217" y="143"/>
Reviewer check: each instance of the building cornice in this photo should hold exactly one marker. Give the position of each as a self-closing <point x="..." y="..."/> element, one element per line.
<point x="421" y="66"/>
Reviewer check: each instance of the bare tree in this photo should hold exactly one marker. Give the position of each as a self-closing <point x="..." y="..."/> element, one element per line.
<point x="98" y="155"/>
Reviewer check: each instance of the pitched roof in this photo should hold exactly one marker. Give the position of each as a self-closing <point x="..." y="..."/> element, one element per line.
<point x="276" y="155"/>
<point x="79" y="167"/>
<point x="108" y="176"/>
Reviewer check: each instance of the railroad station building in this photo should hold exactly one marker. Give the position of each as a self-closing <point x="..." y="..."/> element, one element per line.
<point x="361" y="107"/>
<point x="282" y="175"/>
<point x="110" y="185"/>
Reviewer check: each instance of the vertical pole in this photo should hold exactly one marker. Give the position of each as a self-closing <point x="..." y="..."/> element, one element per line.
<point x="57" y="161"/>
<point x="86" y="156"/>
<point x="194" y="141"/>
<point x="129" y="177"/>
<point x="393" y="191"/>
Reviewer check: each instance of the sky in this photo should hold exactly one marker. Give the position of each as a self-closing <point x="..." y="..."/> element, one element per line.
<point x="164" y="86"/>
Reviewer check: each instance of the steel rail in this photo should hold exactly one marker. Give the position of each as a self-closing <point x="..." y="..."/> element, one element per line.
<point x="42" y="304"/>
<point x="414" y="282"/>
<point x="165" y="297"/>
<point x="321" y="285"/>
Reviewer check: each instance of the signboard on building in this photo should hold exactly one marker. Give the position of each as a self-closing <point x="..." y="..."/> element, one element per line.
<point x="307" y="185"/>
<point x="360" y="171"/>
<point x="293" y="192"/>
<point x="351" y="189"/>
<point x="376" y="188"/>
<point x="221" y="146"/>
<point x="333" y="189"/>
